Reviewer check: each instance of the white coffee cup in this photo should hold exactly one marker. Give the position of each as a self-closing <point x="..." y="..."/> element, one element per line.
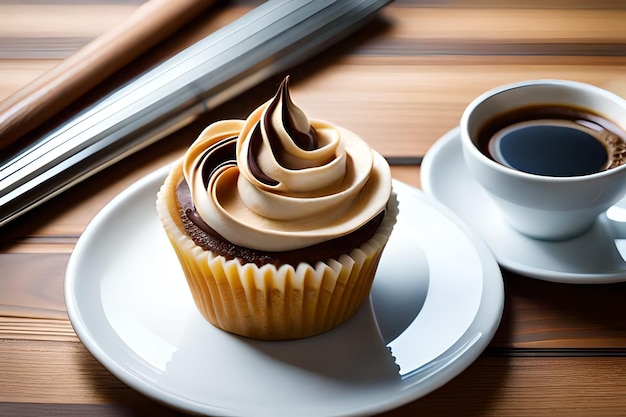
<point x="542" y="206"/>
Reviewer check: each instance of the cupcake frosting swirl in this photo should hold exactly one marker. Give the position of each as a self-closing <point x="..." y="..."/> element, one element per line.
<point x="279" y="181"/>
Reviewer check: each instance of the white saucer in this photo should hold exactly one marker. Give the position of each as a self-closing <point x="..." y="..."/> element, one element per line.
<point x="595" y="257"/>
<point x="436" y="303"/>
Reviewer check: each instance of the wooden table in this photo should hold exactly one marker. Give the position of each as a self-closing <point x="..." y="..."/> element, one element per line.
<point x="401" y="83"/>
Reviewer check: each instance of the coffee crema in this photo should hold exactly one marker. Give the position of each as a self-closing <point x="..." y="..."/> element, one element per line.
<point x="553" y="140"/>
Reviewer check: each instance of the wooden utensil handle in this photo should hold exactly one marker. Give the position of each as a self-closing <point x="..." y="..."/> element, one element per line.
<point x="73" y="77"/>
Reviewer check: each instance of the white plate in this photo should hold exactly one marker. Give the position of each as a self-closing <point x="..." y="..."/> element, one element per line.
<point x="594" y="257"/>
<point x="436" y="303"/>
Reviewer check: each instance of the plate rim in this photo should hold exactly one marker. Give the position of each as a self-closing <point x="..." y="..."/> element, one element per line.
<point x="490" y="312"/>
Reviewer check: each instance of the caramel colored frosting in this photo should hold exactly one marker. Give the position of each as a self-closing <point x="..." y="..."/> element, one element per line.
<point x="279" y="181"/>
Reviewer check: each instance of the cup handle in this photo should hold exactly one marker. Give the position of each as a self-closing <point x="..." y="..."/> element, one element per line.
<point x="616" y="216"/>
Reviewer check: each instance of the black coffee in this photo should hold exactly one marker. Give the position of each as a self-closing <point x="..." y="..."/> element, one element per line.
<point x="553" y="141"/>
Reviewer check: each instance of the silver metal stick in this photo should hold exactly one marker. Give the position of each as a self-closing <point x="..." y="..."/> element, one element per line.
<point x="272" y="37"/>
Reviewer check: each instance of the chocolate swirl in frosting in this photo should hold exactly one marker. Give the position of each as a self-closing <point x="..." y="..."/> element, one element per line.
<point x="291" y="182"/>
<point x="295" y="126"/>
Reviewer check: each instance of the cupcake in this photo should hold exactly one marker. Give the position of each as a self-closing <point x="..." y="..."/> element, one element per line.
<point x="279" y="221"/>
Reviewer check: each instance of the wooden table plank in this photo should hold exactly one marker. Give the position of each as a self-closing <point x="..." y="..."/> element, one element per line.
<point x="65" y="373"/>
<point x="428" y="98"/>
<point x="505" y="25"/>
<point x="54" y="20"/>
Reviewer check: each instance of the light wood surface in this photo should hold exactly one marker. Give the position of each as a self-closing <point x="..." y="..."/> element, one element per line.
<point x="401" y="83"/>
